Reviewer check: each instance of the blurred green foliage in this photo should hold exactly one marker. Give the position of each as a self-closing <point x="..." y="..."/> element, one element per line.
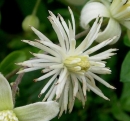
<point x="12" y="50"/>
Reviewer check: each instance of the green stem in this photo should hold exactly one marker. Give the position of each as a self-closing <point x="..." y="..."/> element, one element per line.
<point x="36" y="7"/>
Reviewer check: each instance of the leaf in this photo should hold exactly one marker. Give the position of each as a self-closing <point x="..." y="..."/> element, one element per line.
<point x="125" y="97"/>
<point x="8" y="64"/>
<point x="119" y="114"/>
<point x="125" y="69"/>
<point x="126" y="41"/>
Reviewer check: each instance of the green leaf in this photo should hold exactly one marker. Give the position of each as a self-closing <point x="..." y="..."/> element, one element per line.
<point x="125" y="69"/>
<point x="125" y="97"/>
<point x="8" y="64"/>
<point x="126" y="41"/>
<point x="119" y="114"/>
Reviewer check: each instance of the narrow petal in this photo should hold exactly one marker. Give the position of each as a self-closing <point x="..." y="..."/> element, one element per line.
<point x="75" y="83"/>
<point x="40" y="111"/>
<point x="58" y="33"/>
<point x="47" y="75"/>
<point x="99" y="70"/>
<point x="28" y="70"/>
<point x="49" y="83"/>
<point x="52" y="95"/>
<point x="49" y="91"/>
<point x="6" y="101"/>
<point x="73" y="20"/>
<point x="91" y="11"/>
<point x="101" y="80"/>
<point x="40" y="35"/>
<point x="92" y="35"/>
<point x="96" y="91"/>
<point x="81" y="94"/>
<point x="40" y="45"/>
<point x="112" y="29"/>
<point x="99" y="46"/>
<point x="66" y="90"/>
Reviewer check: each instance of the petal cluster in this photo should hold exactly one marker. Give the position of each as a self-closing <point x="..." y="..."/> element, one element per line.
<point x="118" y="12"/>
<point x="40" y="111"/>
<point x="73" y="70"/>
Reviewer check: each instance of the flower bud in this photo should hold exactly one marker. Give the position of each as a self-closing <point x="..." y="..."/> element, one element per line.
<point x="31" y="20"/>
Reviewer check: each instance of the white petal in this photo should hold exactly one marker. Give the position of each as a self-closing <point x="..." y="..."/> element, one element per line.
<point x="61" y="105"/>
<point x="51" y="96"/>
<point x="40" y="111"/>
<point x="126" y="24"/>
<point x="101" y="80"/>
<point x="65" y="32"/>
<point x="81" y="94"/>
<point x="46" y="57"/>
<point x="84" y="86"/>
<point x="60" y="86"/>
<point x="6" y="101"/>
<point x="42" y="47"/>
<point x="70" y="96"/>
<point x="47" y="75"/>
<point x="92" y="35"/>
<point x="49" y="91"/>
<point x="92" y="10"/>
<point x="99" y="46"/>
<point x="95" y="90"/>
<point x="99" y="64"/>
<point x="49" y="83"/>
<point x="99" y="70"/>
<point x="66" y="90"/>
<point x="73" y="20"/>
<point x="62" y="75"/>
<point x="112" y="29"/>
<point x="28" y="70"/>
<point x="58" y="33"/>
<point x="116" y="6"/>
<point x="75" y="83"/>
<point x="40" y="35"/>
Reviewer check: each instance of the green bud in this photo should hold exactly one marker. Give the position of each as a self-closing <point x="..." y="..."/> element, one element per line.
<point x="31" y="20"/>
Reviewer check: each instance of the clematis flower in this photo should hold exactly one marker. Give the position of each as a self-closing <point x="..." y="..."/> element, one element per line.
<point x="40" y="111"/>
<point x="117" y="11"/>
<point x="73" y="70"/>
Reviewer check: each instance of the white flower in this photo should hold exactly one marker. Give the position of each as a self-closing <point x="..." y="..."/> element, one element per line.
<point x="118" y="12"/>
<point x="40" y="111"/>
<point x="75" y="66"/>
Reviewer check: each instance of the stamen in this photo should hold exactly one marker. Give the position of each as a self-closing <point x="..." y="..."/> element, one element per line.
<point x="8" y="115"/>
<point x="77" y="63"/>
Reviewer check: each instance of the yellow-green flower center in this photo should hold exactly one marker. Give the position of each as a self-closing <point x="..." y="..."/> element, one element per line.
<point x="77" y="63"/>
<point x="8" y="115"/>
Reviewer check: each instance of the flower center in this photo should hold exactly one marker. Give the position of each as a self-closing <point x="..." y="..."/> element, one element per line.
<point x="77" y="63"/>
<point x="8" y="115"/>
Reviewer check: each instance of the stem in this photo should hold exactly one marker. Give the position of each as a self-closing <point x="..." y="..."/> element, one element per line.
<point x="8" y="76"/>
<point x="35" y="7"/>
<point x="15" y="85"/>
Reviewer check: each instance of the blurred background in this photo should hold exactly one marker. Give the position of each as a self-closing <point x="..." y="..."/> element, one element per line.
<point x="15" y="18"/>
